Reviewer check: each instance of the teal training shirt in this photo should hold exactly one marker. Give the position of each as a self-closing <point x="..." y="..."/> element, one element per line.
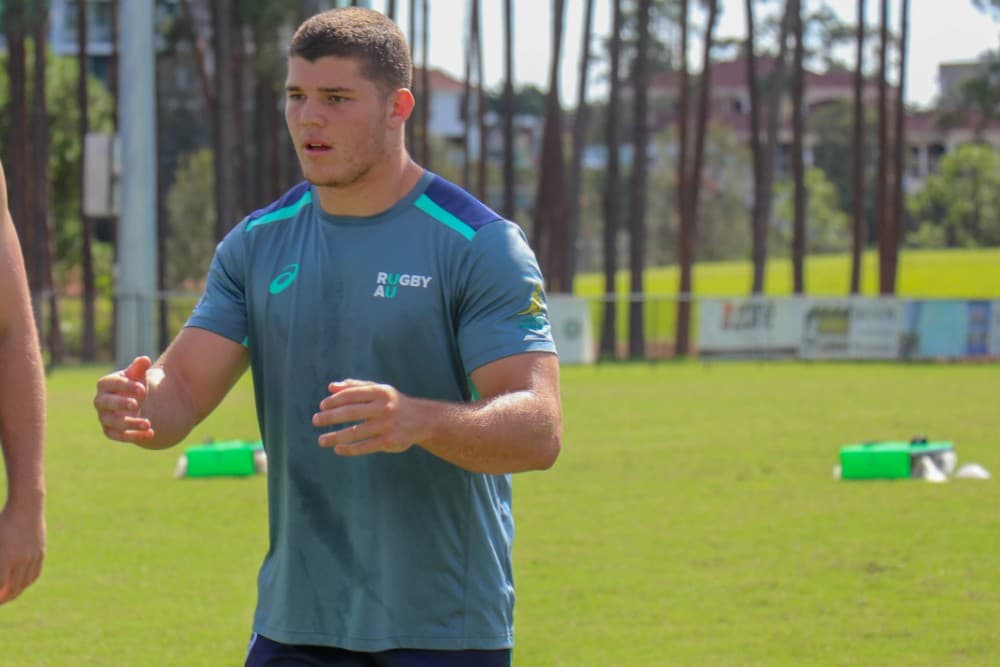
<point x="388" y="550"/>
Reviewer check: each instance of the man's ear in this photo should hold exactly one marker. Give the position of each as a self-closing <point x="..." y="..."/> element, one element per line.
<point x="401" y="104"/>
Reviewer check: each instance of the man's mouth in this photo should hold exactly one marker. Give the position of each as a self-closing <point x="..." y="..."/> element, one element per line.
<point x="316" y="147"/>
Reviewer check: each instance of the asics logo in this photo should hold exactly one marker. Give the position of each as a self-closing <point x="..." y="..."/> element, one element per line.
<point x="284" y="279"/>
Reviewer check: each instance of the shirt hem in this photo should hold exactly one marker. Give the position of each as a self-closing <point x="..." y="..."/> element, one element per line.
<point x="373" y="644"/>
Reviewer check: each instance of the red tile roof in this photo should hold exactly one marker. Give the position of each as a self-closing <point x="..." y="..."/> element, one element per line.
<point x="438" y="80"/>
<point x="733" y="73"/>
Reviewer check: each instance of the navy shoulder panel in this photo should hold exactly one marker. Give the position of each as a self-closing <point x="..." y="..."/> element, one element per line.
<point x="460" y="203"/>
<point x="284" y="207"/>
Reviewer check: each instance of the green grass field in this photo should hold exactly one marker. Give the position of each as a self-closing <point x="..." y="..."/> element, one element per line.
<point x="692" y="519"/>
<point x="966" y="273"/>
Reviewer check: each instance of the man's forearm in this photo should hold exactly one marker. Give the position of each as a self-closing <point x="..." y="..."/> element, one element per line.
<point x="22" y="416"/>
<point x="168" y="408"/>
<point x="512" y="432"/>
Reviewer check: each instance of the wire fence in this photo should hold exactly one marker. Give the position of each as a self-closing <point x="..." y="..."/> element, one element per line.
<point x="60" y="318"/>
<point x="807" y="327"/>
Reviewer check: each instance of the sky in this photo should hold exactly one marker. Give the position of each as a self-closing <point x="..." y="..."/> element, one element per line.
<point x="940" y="31"/>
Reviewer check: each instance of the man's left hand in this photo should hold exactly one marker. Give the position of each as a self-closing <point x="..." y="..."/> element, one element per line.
<point x="375" y="418"/>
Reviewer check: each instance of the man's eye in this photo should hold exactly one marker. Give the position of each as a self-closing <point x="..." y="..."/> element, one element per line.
<point x="296" y="97"/>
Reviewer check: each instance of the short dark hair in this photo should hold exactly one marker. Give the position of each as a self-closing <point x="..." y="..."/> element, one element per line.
<point x="356" y="32"/>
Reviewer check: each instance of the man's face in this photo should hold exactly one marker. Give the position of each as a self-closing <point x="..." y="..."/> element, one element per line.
<point x="337" y="120"/>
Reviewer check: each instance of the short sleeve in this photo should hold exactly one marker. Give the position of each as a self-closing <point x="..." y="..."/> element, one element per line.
<point x="222" y="307"/>
<point x="502" y="309"/>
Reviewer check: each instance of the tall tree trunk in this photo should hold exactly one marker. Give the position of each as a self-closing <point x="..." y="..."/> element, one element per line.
<point x="411" y="124"/>
<point x="481" y="185"/>
<point x="200" y="59"/>
<point x="685" y="232"/>
<point x="308" y="8"/>
<point x="472" y="86"/>
<point x="113" y="63"/>
<point x="777" y="91"/>
<point x="266" y="122"/>
<point x="509" y="174"/>
<point x="549" y="229"/>
<point x="612" y="185"/>
<point x="481" y="175"/>
<point x="40" y="165"/>
<point x="858" y="233"/>
<point x="758" y="226"/>
<point x="704" y="108"/>
<point x="390" y="10"/>
<point x="86" y="223"/>
<point x="694" y="178"/>
<point x="466" y="103"/>
<point x="425" y="87"/>
<point x="899" y="207"/>
<point x="31" y="240"/>
<point x="882" y="215"/>
<point x="162" y="218"/>
<point x="640" y="170"/>
<point x="16" y="153"/>
<point x="244" y="200"/>
<point x="225" y="135"/>
<point x="798" y="168"/>
<point x="581" y="121"/>
<point x="113" y="84"/>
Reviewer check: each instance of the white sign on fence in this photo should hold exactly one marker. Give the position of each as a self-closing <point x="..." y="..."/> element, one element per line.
<point x="754" y="326"/>
<point x="569" y="317"/>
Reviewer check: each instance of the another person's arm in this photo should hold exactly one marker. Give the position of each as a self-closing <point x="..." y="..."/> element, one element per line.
<point x="22" y="420"/>
<point x="156" y="405"/>
<point x="515" y="426"/>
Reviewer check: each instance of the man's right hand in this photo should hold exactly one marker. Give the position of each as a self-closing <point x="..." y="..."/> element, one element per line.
<point x="119" y="399"/>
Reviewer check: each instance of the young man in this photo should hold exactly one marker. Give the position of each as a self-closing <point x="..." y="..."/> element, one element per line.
<point x="403" y="368"/>
<point x="22" y="419"/>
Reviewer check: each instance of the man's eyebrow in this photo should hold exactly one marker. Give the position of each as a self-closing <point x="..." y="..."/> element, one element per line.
<point x="325" y="89"/>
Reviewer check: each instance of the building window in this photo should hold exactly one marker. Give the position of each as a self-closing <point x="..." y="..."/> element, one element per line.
<point x="98" y="22"/>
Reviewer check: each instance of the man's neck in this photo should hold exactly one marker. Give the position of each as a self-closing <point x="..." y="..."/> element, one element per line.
<point x="377" y="191"/>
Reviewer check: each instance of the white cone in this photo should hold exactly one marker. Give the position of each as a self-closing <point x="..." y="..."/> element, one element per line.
<point x="973" y="471"/>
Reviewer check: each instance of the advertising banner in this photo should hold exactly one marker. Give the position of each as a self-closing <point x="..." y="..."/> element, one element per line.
<point x="945" y="329"/>
<point x="750" y="327"/>
<point x="977" y="336"/>
<point x="852" y="328"/>
<point x="994" y="346"/>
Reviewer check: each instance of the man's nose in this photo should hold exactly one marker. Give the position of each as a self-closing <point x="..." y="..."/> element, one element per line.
<point x="312" y="113"/>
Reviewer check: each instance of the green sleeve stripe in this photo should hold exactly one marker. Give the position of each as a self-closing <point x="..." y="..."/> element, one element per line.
<point x="472" y="390"/>
<point x="427" y="205"/>
<point x="246" y="342"/>
<point x="282" y="213"/>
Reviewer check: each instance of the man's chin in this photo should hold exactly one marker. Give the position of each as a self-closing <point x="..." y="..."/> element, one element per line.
<point x="330" y="181"/>
<point x="324" y="181"/>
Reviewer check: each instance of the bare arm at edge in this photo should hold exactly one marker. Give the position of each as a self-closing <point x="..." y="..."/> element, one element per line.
<point x="22" y="419"/>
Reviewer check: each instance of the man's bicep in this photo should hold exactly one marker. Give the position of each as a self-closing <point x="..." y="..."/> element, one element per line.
<point x="537" y="372"/>
<point x="205" y="364"/>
